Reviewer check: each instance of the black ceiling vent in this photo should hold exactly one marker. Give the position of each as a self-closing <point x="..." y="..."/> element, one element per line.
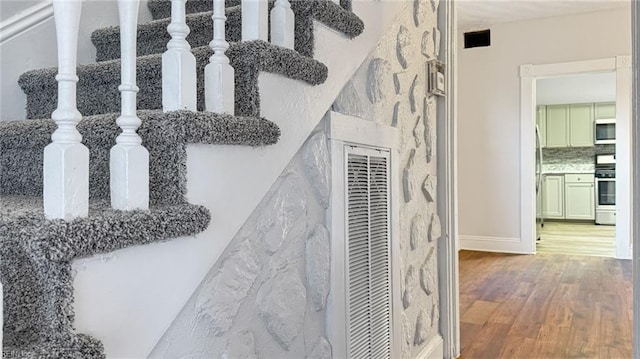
<point x="477" y="39"/>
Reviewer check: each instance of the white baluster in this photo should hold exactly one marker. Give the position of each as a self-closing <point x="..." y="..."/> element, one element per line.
<point x="66" y="160"/>
<point x="178" y="64"/>
<point x="219" y="85"/>
<point x="129" y="162"/>
<point x="282" y="24"/>
<point x="255" y="22"/>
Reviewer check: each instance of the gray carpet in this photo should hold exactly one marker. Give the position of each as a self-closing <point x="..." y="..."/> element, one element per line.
<point x="98" y="84"/>
<point x="149" y="42"/>
<point x="35" y="266"/>
<point x="165" y="135"/>
<point x="36" y="254"/>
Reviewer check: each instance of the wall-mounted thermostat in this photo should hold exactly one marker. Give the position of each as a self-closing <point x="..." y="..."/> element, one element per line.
<point x="435" y="78"/>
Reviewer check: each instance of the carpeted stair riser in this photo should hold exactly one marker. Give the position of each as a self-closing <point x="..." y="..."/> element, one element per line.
<point x="107" y="40"/>
<point x="35" y="266"/>
<point x="98" y="84"/>
<point x="81" y="347"/>
<point x="153" y="36"/>
<point x="164" y="135"/>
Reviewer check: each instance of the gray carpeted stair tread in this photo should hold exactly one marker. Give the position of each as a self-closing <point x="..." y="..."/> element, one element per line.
<point x="98" y="83"/>
<point x="35" y="264"/>
<point x="103" y="231"/>
<point x="153" y="36"/>
<point x="79" y="347"/>
<point x="161" y="9"/>
<point x="165" y="135"/>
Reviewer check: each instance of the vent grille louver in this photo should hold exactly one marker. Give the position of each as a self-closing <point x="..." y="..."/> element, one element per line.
<point x="369" y="256"/>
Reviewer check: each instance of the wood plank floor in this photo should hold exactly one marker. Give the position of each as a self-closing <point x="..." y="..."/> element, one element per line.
<point x="544" y="306"/>
<point x="577" y="238"/>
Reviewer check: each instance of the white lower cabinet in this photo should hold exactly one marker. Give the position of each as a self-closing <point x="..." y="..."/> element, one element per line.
<point x="570" y="196"/>
<point x="579" y="193"/>
<point x="553" y="196"/>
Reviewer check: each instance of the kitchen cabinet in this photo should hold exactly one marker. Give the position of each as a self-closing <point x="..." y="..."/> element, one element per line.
<point x="557" y="126"/>
<point x="553" y="196"/>
<point x="605" y="110"/>
<point x="579" y="192"/>
<point x="541" y="121"/>
<point x="581" y="125"/>
<point x="569" y="125"/>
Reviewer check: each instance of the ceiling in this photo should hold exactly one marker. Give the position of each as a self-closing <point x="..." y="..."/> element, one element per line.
<point x="596" y="87"/>
<point x="476" y="14"/>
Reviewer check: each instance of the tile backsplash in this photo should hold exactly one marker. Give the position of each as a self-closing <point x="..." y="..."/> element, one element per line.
<point x="575" y="155"/>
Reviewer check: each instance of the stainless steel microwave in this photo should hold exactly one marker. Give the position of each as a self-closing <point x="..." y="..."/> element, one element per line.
<point x="605" y="133"/>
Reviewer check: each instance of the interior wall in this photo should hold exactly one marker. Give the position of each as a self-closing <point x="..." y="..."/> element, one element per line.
<point x="390" y="89"/>
<point x="266" y="297"/>
<point x="9" y="8"/>
<point x="489" y="113"/>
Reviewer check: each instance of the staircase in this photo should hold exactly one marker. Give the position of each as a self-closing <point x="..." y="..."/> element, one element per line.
<point x="36" y="254"/>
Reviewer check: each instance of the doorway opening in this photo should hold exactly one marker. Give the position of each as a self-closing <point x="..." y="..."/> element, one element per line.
<point x="558" y="143"/>
<point x="575" y="164"/>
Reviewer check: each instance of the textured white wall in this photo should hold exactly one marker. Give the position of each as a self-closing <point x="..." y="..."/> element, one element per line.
<point x="266" y="297"/>
<point x="489" y="113"/>
<point x="36" y="48"/>
<point x="390" y="88"/>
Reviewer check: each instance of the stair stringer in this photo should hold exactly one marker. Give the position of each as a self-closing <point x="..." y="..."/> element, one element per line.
<point x="129" y="298"/>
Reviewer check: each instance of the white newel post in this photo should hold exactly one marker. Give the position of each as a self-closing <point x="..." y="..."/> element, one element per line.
<point x="219" y="77"/>
<point x="66" y="159"/>
<point x="129" y="162"/>
<point x="255" y="21"/>
<point x="178" y="64"/>
<point x="282" y="24"/>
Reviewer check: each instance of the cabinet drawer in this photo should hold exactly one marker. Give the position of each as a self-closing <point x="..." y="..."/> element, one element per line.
<point x="579" y="178"/>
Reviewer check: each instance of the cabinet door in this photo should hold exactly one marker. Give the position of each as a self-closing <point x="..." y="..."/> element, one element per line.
<point x="605" y="110"/>
<point x="553" y="196"/>
<point x="581" y="125"/>
<point x="557" y="126"/>
<point x="541" y="121"/>
<point x="580" y="201"/>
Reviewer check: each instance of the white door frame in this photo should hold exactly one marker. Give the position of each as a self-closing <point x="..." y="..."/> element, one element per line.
<point x="635" y="130"/>
<point x="621" y="65"/>
<point x="447" y="185"/>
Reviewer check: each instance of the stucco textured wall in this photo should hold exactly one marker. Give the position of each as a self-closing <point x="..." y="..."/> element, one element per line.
<point x="266" y="296"/>
<point x="390" y="88"/>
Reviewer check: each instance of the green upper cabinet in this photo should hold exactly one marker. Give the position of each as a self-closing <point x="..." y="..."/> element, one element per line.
<point x="581" y="125"/>
<point x="557" y="126"/>
<point x="567" y="125"/>
<point x="605" y="110"/>
<point x="541" y="121"/>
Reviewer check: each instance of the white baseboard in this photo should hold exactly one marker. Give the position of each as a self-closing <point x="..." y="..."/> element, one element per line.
<point x="25" y="20"/>
<point x="492" y="244"/>
<point x="433" y="350"/>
